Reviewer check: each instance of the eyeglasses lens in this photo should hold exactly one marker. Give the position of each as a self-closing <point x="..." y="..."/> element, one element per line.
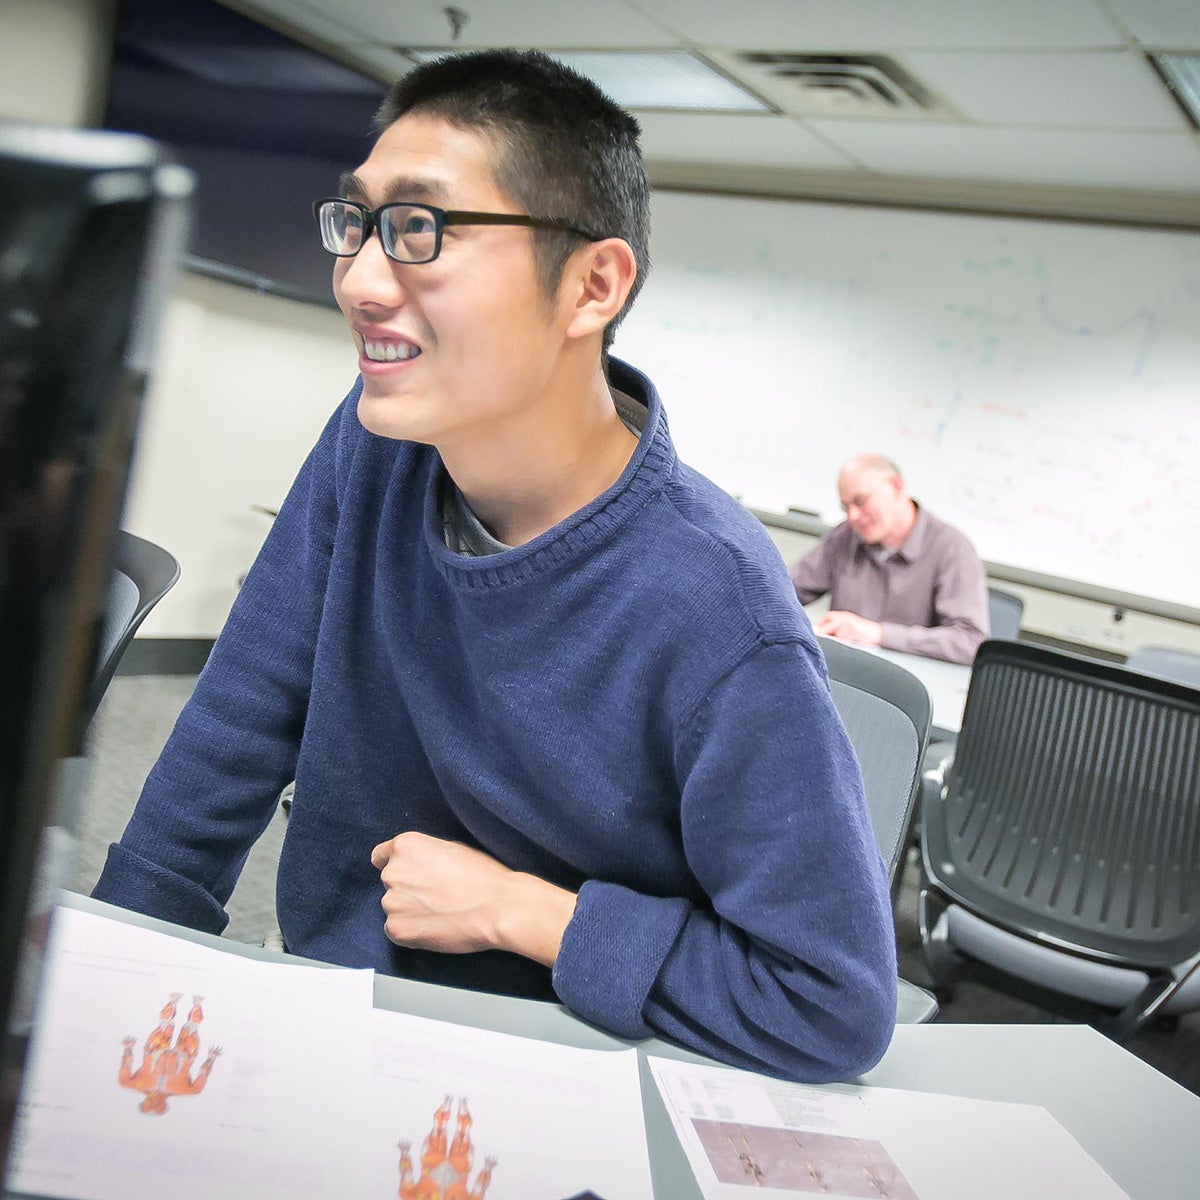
<point x="341" y="228"/>
<point x="409" y="232"/>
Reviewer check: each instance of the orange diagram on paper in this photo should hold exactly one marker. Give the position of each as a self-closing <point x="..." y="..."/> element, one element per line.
<point x="445" y="1168"/>
<point x="167" y="1061"/>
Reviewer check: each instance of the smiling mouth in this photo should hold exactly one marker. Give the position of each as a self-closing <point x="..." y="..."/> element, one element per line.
<point x="390" y="351"/>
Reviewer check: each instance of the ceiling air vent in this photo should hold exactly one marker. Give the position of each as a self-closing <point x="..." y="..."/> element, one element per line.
<point x="837" y="85"/>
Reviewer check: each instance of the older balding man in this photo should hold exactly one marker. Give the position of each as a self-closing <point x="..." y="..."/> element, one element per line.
<point x="897" y="576"/>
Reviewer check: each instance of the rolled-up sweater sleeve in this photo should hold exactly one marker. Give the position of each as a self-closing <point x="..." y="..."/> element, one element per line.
<point x="214" y="787"/>
<point x="791" y="969"/>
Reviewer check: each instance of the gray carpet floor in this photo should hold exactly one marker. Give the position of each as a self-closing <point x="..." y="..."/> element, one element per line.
<point x="139" y="712"/>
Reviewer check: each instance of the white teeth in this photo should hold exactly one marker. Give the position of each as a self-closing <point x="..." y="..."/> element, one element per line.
<point x="390" y="351"/>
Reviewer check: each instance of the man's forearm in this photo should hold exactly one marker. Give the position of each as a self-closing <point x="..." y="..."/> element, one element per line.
<point x="953" y="643"/>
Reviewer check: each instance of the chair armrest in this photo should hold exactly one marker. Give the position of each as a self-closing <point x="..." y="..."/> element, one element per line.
<point x="914" y="1005"/>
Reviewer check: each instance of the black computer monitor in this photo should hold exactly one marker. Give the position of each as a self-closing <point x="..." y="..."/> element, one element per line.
<point x="90" y="226"/>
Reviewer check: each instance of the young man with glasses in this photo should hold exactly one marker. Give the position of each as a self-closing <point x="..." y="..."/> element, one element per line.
<point x="542" y="688"/>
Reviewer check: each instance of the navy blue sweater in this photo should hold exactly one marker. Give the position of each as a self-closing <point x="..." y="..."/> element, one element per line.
<point x="632" y="706"/>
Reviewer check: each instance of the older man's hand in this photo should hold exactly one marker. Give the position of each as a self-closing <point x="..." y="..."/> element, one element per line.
<point x="441" y="895"/>
<point x="850" y="627"/>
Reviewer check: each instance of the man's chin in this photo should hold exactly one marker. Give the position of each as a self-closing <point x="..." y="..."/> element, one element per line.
<point x="391" y="416"/>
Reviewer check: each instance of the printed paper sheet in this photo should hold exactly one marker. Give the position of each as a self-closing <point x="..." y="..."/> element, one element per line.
<point x="741" y="1131"/>
<point x="504" y="1116"/>
<point x="161" y="1067"/>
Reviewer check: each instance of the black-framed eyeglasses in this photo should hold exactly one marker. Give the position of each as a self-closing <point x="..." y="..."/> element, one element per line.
<point x="409" y="233"/>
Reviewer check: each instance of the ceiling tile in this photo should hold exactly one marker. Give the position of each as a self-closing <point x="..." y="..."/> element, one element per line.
<point x="1161" y="24"/>
<point x="1145" y="162"/>
<point x="756" y="140"/>
<point x="382" y="61"/>
<point x="330" y="28"/>
<point x="1106" y="89"/>
<point x="1105" y="86"/>
<point x="866" y="25"/>
<point x="578" y="24"/>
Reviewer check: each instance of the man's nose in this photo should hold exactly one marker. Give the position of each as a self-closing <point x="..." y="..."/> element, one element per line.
<point x="370" y="277"/>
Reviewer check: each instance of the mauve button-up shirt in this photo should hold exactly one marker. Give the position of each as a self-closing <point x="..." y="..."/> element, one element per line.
<point x="930" y="595"/>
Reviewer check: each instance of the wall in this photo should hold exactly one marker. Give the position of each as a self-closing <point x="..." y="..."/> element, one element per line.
<point x="1035" y="378"/>
<point x="52" y="58"/>
<point x="242" y="383"/>
<point x="241" y="389"/>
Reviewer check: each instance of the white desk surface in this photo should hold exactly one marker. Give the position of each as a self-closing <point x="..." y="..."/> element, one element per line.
<point x="1140" y="1126"/>
<point x="945" y="682"/>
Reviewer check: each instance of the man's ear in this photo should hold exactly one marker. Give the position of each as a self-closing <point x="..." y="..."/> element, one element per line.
<point x="598" y="277"/>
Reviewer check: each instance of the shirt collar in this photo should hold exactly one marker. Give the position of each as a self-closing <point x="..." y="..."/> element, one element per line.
<point x="910" y="549"/>
<point x="918" y="536"/>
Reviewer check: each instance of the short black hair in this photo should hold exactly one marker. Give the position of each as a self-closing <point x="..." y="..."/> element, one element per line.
<point x="568" y="152"/>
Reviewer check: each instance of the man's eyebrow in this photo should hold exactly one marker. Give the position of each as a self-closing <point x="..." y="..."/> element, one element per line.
<point x="403" y="187"/>
<point x="349" y="185"/>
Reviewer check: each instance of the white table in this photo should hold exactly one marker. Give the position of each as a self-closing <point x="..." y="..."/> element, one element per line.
<point x="1140" y="1126"/>
<point x="945" y="682"/>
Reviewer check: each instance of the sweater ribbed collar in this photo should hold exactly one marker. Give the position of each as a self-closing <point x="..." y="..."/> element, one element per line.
<point x="646" y="472"/>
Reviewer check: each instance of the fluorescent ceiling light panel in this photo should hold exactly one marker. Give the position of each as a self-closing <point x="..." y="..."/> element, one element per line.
<point x="663" y="81"/>
<point x="1181" y="73"/>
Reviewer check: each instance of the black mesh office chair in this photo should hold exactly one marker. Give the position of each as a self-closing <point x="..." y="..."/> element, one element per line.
<point x="1004" y="616"/>
<point x="143" y="573"/>
<point x="887" y="712"/>
<point x="1061" y="857"/>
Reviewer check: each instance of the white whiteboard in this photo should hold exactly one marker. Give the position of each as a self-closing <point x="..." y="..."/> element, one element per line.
<point x="1037" y="381"/>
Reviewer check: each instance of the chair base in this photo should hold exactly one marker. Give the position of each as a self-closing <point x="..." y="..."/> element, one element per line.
<point x="1117" y="1001"/>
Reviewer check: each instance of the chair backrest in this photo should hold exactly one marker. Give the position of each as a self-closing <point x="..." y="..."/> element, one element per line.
<point x="1166" y="663"/>
<point x="1004" y="612"/>
<point x="886" y="711"/>
<point x="142" y="575"/>
<point x="1072" y="811"/>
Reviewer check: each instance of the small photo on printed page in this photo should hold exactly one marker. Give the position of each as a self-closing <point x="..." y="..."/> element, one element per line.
<point x="740" y="1130"/>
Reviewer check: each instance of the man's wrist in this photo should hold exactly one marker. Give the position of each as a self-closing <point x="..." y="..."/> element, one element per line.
<point x="532" y="917"/>
<point x="891" y="636"/>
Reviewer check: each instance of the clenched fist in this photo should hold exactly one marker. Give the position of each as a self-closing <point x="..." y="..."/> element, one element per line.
<point x="441" y="895"/>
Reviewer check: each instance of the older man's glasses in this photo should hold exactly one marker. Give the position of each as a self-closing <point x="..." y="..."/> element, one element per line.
<point x="409" y="233"/>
